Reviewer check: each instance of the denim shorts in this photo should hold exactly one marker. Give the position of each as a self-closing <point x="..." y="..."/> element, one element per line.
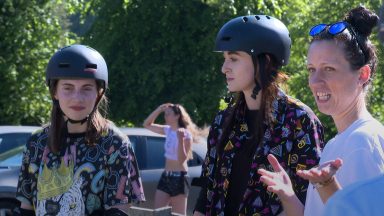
<point x="174" y="183"/>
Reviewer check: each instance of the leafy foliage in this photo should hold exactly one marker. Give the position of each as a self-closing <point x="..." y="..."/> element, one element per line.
<point x="157" y="52"/>
<point x="30" y="33"/>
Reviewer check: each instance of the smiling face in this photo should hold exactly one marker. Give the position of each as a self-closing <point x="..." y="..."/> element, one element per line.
<point x="77" y="98"/>
<point x="239" y="71"/>
<point x="335" y="86"/>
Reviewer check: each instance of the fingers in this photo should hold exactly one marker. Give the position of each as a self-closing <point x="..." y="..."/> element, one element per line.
<point x="321" y="173"/>
<point x="266" y="177"/>
<point x="274" y="163"/>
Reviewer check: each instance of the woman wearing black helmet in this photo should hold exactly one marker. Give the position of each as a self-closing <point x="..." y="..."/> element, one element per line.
<point x="260" y="120"/>
<point x="80" y="163"/>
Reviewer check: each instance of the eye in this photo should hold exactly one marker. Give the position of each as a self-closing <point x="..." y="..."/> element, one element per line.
<point x="311" y="70"/>
<point x="66" y="88"/>
<point x="329" y="69"/>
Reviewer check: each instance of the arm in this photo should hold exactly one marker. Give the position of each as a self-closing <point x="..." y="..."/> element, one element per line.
<point x="208" y="167"/>
<point x="122" y="171"/>
<point x="24" y="195"/>
<point x="149" y="121"/>
<point x="184" y="144"/>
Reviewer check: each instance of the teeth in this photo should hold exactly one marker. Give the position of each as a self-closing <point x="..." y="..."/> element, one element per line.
<point x="323" y="95"/>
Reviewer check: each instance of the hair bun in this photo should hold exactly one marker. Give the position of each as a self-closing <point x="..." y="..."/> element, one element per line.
<point x="362" y="19"/>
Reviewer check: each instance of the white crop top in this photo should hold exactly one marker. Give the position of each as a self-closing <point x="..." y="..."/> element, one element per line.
<point x="171" y="142"/>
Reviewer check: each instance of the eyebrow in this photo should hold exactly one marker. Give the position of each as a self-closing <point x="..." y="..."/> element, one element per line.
<point x="85" y="85"/>
<point x="233" y="53"/>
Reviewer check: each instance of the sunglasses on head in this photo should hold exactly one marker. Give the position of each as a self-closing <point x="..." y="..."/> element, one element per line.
<point x="334" y="29"/>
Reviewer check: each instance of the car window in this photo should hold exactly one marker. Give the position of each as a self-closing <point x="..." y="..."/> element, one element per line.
<point x="154" y="152"/>
<point x="11" y="140"/>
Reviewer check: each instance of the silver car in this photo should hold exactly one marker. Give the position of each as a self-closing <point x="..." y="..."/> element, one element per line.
<point x="148" y="147"/>
<point x="12" y="141"/>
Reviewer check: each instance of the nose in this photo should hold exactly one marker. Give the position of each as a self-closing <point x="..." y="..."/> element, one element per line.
<point x="78" y="95"/>
<point x="224" y="68"/>
<point x="315" y="78"/>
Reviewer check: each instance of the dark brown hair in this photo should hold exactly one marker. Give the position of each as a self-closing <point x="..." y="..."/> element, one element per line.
<point x="96" y="123"/>
<point x="362" y="21"/>
<point x="270" y="85"/>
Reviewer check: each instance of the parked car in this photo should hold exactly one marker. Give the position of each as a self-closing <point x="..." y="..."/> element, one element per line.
<point x="148" y="147"/>
<point x="12" y="141"/>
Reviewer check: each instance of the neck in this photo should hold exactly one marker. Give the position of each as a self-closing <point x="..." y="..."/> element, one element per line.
<point x="174" y="126"/>
<point x="76" y="128"/>
<point x="355" y="111"/>
<point x="253" y="104"/>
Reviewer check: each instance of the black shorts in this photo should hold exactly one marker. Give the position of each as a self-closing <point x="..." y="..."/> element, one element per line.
<point x="174" y="183"/>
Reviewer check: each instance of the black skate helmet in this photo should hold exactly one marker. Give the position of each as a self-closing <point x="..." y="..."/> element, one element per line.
<point x="255" y="34"/>
<point x="77" y="61"/>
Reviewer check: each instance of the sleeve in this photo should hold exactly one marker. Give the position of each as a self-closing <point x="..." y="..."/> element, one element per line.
<point x="208" y="166"/>
<point x="123" y="184"/>
<point x="363" y="160"/>
<point x="306" y="149"/>
<point x="25" y="181"/>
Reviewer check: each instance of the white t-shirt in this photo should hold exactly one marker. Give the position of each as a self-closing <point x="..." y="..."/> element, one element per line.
<point x="361" y="198"/>
<point x="171" y="142"/>
<point x="361" y="147"/>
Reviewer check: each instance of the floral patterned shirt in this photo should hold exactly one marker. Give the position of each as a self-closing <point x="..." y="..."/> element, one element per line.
<point x="295" y="138"/>
<point x="82" y="179"/>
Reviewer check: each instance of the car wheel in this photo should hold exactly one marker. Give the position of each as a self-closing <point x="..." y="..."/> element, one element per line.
<point x="6" y="207"/>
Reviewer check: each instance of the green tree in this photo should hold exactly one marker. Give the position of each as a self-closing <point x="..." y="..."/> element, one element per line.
<point x="30" y="33"/>
<point x="157" y="52"/>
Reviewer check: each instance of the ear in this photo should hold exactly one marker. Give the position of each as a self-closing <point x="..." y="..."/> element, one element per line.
<point x="365" y="74"/>
<point x="55" y="95"/>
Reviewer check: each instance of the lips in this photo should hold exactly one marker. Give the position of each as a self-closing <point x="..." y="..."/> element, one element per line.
<point x="77" y="108"/>
<point x="229" y="79"/>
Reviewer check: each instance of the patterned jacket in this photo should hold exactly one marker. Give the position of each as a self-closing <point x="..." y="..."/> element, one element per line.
<point x="295" y="138"/>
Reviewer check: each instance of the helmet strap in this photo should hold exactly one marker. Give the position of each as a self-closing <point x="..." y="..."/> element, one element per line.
<point x="260" y="61"/>
<point x="82" y="121"/>
<point x="255" y="90"/>
<point x="228" y="98"/>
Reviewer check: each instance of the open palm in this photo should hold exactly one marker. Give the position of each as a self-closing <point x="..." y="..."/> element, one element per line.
<point x="278" y="181"/>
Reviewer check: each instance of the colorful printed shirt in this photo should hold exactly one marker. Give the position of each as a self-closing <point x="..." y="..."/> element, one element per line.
<point x="295" y="138"/>
<point x="82" y="179"/>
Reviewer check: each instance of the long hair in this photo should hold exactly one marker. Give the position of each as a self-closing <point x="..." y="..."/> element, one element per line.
<point x="97" y="124"/>
<point x="186" y="122"/>
<point x="270" y="83"/>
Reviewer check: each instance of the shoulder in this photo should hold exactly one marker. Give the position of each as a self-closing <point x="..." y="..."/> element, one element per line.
<point x="114" y="133"/>
<point x="39" y="134"/>
<point x="288" y="107"/>
<point x="366" y="133"/>
<point x="220" y="116"/>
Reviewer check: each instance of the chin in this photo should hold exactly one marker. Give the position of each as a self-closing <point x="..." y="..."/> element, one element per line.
<point x="324" y="110"/>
